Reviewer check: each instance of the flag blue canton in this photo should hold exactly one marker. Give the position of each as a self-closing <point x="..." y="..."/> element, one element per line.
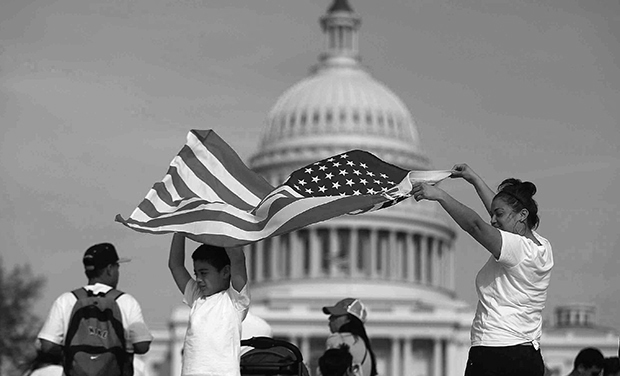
<point x="353" y="173"/>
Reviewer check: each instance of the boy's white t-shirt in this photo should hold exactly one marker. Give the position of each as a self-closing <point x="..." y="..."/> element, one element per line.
<point x="213" y="337"/>
<point x="512" y="292"/>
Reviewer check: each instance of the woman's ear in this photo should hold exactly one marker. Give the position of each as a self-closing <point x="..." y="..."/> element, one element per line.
<point x="524" y="213"/>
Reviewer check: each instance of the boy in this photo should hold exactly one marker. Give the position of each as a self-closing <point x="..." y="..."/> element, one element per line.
<point x="219" y="302"/>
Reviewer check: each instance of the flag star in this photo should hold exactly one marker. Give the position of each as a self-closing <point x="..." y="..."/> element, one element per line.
<point x="384" y="189"/>
<point x="309" y="191"/>
<point x="342" y="194"/>
<point x="363" y="181"/>
<point x="350" y="163"/>
<point x="315" y="179"/>
<point x="317" y="163"/>
<point x="302" y="182"/>
<point x="329" y="175"/>
<point x="384" y="176"/>
<point x="308" y="170"/>
<point x="344" y="156"/>
<point x="357" y="172"/>
<point x="336" y="185"/>
<point x="364" y="165"/>
<point x="330" y="160"/>
<point x="322" y="168"/>
<point x="390" y="182"/>
<point x="371" y="191"/>
<point x="370" y="173"/>
<point x="343" y="172"/>
<point x="322" y="189"/>
<point x="337" y="164"/>
<point x="377" y="181"/>
<point x="350" y="182"/>
<point x="356" y="193"/>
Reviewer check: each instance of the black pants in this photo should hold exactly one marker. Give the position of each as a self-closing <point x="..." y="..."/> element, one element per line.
<point x="519" y="360"/>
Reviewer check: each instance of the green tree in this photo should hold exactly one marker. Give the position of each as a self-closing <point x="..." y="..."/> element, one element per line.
<point x="19" y="288"/>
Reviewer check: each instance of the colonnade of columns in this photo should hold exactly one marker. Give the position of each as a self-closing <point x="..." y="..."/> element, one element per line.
<point x="318" y="252"/>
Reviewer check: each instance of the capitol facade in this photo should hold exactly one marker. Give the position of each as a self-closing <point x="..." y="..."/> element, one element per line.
<point x="399" y="261"/>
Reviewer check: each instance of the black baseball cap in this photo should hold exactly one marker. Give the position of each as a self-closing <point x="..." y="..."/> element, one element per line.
<point x="101" y="255"/>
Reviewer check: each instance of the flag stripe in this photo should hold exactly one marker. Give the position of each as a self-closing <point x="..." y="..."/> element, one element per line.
<point x="249" y="181"/>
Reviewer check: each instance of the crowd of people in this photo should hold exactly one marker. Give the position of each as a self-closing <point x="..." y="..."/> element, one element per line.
<point x="97" y="329"/>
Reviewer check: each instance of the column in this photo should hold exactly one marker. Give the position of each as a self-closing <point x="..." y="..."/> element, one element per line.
<point x="423" y="259"/>
<point x="437" y="357"/>
<point x="373" y="253"/>
<point x="259" y="261"/>
<point x="393" y="255"/>
<point x="410" y="247"/>
<point x="396" y="369"/>
<point x="296" y="255"/>
<point x="384" y="249"/>
<point x="353" y="252"/>
<point x="451" y="270"/>
<point x="451" y="370"/>
<point x="315" y="253"/>
<point x="334" y="260"/>
<point x="407" y="357"/>
<point x="435" y="263"/>
<point x="275" y="257"/>
<point x="305" y="348"/>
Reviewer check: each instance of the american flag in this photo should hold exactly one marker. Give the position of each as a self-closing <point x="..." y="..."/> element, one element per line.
<point x="210" y="195"/>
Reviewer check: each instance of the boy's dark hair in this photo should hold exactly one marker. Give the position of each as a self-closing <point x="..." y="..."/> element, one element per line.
<point x="612" y="366"/>
<point x="590" y="357"/>
<point x="214" y="255"/>
<point x="356" y="327"/>
<point x="336" y="361"/>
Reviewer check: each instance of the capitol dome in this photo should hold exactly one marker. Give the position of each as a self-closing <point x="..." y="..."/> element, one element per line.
<point x="339" y="107"/>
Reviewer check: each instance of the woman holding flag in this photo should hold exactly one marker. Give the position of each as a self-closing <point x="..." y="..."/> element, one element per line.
<point x="512" y="285"/>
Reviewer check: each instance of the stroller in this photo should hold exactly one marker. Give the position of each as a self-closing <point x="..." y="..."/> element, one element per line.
<point x="271" y="357"/>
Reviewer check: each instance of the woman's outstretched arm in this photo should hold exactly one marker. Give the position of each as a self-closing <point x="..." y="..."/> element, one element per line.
<point x="485" y="193"/>
<point x="485" y="234"/>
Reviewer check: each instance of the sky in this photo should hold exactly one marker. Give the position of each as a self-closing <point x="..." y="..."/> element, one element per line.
<point x="96" y="98"/>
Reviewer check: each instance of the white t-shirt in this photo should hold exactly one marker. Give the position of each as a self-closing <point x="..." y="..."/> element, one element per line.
<point x="57" y="322"/>
<point x="213" y="338"/>
<point x="512" y="292"/>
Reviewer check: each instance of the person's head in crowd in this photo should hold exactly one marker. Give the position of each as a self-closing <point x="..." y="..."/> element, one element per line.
<point x="612" y="366"/>
<point x="589" y="362"/>
<point x="349" y="316"/>
<point x="337" y="362"/>
<point x="212" y="269"/>
<point x="519" y="210"/>
<point x="344" y="312"/>
<point x="102" y="264"/>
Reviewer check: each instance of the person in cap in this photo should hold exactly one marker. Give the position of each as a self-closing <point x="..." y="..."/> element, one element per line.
<point x="346" y="323"/>
<point x="101" y="266"/>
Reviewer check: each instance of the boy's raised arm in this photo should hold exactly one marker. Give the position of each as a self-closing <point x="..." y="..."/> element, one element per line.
<point x="238" y="272"/>
<point x="176" y="261"/>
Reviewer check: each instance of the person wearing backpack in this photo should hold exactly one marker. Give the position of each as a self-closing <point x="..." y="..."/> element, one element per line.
<point x="96" y="328"/>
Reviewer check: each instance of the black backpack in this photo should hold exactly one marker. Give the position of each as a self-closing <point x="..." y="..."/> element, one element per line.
<point x="95" y="341"/>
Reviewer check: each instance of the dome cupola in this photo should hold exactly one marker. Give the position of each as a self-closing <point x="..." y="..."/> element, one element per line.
<point x="339" y="106"/>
